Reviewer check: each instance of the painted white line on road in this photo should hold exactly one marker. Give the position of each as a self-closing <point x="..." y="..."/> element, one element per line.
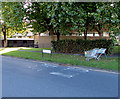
<point x="76" y="69"/>
<point x="39" y="70"/>
<point x="61" y="74"/>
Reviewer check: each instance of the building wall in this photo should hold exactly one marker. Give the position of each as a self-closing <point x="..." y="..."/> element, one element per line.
<point x="0" y="43"/>
<point x="44" y="42"/>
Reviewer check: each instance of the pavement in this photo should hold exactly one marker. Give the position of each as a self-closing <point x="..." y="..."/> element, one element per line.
<point x="8" y="50"/>
<point x="30" y="78"/>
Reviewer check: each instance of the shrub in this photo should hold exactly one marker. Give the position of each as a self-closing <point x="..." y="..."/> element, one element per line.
<point x="80" y="45"/>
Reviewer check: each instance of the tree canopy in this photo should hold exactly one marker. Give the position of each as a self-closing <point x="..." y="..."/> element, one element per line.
<point x="61" y="17"/>
<point x="65" y="16"/>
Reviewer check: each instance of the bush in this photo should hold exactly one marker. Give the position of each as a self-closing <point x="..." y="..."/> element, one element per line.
<point x="80" y="45"/>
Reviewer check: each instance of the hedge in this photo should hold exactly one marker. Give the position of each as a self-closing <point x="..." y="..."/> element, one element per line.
<point x="80" y="45"/>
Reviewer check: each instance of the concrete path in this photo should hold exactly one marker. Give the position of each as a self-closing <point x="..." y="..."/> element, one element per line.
<point x="9" y="50"/>
<point x="29" y="78"/>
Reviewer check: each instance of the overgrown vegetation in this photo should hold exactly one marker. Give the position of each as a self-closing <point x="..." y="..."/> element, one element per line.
<point x="80" y="45"/>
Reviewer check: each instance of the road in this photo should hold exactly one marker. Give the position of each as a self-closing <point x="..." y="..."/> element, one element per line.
<point x="29" y="78"/>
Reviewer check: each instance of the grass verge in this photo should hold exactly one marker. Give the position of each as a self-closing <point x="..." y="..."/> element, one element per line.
<point x="116" y="49"/>
<point x="34" y="49"/>
<point x="108" y="64"/>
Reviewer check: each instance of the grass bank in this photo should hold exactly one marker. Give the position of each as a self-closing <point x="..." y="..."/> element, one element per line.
<point x="108" y="64"/>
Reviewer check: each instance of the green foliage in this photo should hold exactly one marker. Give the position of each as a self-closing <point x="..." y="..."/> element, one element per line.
<point x="107" y="16"/>
<point x="116" y="49"/>
<point x="62" y="16"/>
<point x="58" y="16"/>
<point x="79" y="16"/>
<point x="11" y="21"/>
<point x="36" y="14"/>
<point x="12" y="14"/>
<point x="80" y="45"/>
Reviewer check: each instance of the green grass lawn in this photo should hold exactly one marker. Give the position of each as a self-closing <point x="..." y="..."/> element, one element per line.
<point x="108" y="64"/>
<point x="116" y="49"/>
<point x="33" y="49"/>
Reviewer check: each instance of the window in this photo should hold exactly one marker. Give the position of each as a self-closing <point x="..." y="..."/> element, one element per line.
<point x="24" y="41"/>
<point x="14" y="41"/>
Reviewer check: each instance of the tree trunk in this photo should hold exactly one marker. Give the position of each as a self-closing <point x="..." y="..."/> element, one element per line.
<point x="85" y="35"/>
<point x="51" y="33"/>
<point x="58" y="35"/>
<point x="86" y="29"/>
<point x="5" y="36"/>
<point x="100" y="34"/>
<point x="99" y="30"/>
<point x="39" y="40"/>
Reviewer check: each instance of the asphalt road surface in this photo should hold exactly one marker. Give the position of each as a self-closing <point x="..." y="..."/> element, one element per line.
<point x="29" y="78"/>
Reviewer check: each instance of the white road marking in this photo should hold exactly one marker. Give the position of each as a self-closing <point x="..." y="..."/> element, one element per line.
<point x="61" y="74"/>
<point x="76" y="69"/>
<point x="39" y="70"/>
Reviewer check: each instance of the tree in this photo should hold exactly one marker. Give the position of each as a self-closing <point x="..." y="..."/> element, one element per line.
<point x="37" y="15"/>
<point x="88" y="7"/>
<point x="56" y="17"/>
<point x="63" y="17"/>
<point x="98" y="16"/>
<point x="12" y="15"/>
<point x="114" y="20"/>
<point x="106" y="17"/>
